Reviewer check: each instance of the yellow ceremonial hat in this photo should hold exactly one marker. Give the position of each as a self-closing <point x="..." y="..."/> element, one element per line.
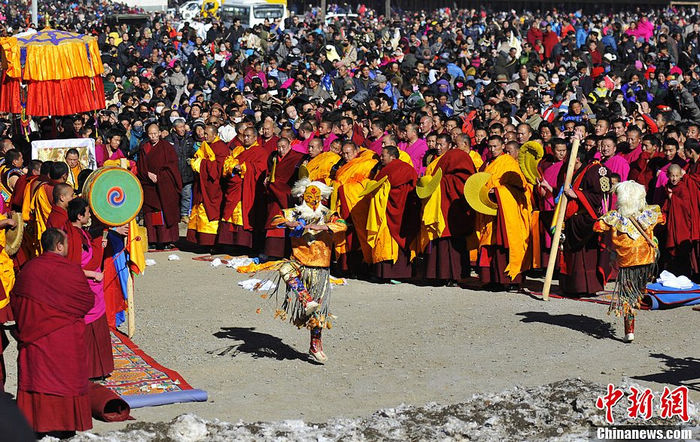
<point x="427" y="185"/>
<point x="529" y="157"/>
<point x="303" y="172"/>
<point x="372" y="186"/>
<point x="476" y="193"/>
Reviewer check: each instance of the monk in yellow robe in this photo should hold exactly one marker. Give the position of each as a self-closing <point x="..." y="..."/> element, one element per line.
<point x="207" y="195"/>
<point x="74" y="167"/>
<point x="41" y="201"/>
<point x="350" y="180"/>
<point x="445" y="219"/>
<point x="7" y="278"/>
<point x="504" y="239"/>
<point x="243" y="174"/>
<point x="321" y="163"/>
<point x="392" y="219"/>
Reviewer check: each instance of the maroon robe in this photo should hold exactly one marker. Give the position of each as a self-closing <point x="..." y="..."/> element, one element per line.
<point x="207" y="191"/>
<point x="585" y="261"/>
<point x="682" y="242"/>
<point x="679" y="219"/>
<point x="162" y="196"/>
<point x="447" y="257"/>
<point x="98" y="340"/>
<point x="279" y="197"/>
<point x="58" y="219"/>
<point x="247" y="191"/>
<point x="358" y="136"/>
<point x="17" y="201"/>
<point x="402" y="216"/>
<point x="50" y="301"/>
<point x="17" y="198"/>
<point x="270" y="145"/>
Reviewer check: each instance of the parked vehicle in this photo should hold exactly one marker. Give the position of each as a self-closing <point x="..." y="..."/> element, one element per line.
<point x="252" y="13"/>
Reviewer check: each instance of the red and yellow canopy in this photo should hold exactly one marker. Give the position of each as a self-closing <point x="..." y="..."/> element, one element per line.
<point x="51" y="72"/>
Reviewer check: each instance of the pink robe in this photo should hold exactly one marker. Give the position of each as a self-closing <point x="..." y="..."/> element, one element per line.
<point x="328" y="140"/>
<point x="97" y="287"/>
<point x="417" y="151"/>
<point x="550" y="175"/>
<point x="633" y="155"/>
<point x="376" y="145"/>
<point x="617" y="164"/>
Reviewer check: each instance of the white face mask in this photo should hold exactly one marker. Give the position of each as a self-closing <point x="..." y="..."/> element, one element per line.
<point x="159" y="109"/>
<point x="555" y="80"/>
<point x="487" y="82"/>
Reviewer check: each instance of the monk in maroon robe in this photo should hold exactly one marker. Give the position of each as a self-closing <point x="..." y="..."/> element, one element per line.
<point x="243" y="174"/>
<point x="284" y="171"/>
<point x="447" y="257"/>
<point x="58" y="218"/>
<point x="585" y="263"/>
<point x="22" y="184"/>
<point x="158" y="172"/>
<point x="20" y="203"/>
<point x="268" y="140"/>
<point x="207" y="194"/>
<point x="402" y="213"/>
<point x="49" y="302"/>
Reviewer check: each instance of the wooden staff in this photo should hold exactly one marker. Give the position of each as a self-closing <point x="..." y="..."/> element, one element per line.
<point x="563" y="200"/>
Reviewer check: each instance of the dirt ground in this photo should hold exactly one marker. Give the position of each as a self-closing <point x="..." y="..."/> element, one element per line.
<point x="390" y="344"/>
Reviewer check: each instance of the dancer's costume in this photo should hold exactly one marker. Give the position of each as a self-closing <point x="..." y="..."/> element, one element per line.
<point x="634" y="244"/>
<point x="306" y="273"/>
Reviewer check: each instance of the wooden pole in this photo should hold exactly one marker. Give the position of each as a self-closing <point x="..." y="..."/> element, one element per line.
<point x="387" y="10"/>
<point x="322" y="12"/>
<point x="131" y="319"/>
<point x="554" y="251"/>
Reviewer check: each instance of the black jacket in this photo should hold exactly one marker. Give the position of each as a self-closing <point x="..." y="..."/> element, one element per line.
<point x="184" y="147"/>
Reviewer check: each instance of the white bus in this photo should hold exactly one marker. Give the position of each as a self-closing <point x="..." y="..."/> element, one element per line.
<point x="252" y="13"/>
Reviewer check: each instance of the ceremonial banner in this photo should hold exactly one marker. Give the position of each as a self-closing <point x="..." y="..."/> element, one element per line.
<point x="55" y="150"/>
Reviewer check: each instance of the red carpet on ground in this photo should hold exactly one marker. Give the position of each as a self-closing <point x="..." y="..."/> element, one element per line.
<point x="143" y="382"/>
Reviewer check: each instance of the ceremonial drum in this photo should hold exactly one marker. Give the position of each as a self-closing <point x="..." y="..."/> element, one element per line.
<point x="114" y="194"/>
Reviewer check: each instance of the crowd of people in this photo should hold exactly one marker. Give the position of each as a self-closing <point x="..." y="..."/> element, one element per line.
<point x="348" y="146"/>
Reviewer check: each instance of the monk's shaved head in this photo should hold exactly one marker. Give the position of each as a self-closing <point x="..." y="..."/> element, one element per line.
<point x="674" y="168"/>
<point x="62" y="192"/>
<point x="210" y="130"/>
<point x="51" y="239"/>
<point x="210" y="134"/>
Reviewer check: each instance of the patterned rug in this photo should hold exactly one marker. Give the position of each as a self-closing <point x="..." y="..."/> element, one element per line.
<point x="142" y="382"/>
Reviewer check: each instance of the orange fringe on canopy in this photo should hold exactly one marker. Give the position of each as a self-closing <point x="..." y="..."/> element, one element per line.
<point x="51" y="55"/>
<point x="47" y="98"/>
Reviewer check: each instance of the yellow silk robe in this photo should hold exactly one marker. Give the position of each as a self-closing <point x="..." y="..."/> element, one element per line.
<point x="515" y="206"/>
